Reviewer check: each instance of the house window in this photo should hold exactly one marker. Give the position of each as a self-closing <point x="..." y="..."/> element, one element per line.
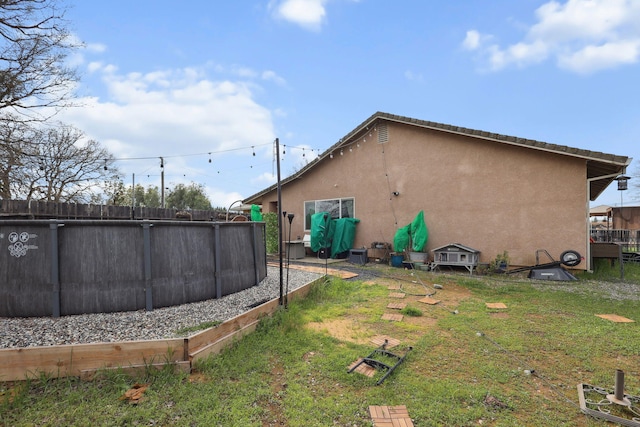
<point x="338" y="208"/>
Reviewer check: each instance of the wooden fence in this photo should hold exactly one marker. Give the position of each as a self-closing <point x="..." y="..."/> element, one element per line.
<point x="34" y="209"/>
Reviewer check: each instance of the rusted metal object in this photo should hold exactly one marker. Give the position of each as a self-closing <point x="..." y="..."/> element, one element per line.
<point x="610" y="405"/>
<point x="371" y="361"/>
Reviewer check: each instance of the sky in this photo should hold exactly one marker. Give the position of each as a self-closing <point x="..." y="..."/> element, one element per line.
<point x="209" y="85"/>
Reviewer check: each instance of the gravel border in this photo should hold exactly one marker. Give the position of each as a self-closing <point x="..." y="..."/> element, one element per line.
<point x="161" y="323"/>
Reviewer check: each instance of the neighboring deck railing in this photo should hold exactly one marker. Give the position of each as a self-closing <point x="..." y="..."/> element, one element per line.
<point x="628" y="239"/>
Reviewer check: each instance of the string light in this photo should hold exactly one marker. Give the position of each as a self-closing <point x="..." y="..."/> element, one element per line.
<point x="209" y="156"/>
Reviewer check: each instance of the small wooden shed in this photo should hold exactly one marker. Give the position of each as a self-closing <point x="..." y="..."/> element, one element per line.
<point x="456" y="255"/>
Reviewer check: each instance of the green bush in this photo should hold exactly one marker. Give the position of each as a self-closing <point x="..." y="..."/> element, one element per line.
<point x="271" y="231"/>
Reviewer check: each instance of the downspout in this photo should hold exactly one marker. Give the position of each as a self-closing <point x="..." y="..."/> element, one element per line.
<point x="589" y="180"/>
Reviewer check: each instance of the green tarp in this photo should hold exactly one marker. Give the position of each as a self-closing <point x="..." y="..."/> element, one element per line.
<point x="413" y="236"/>
<point x="256" y="215"/>
<point x="337" y="234"/>
<point x="344" y="235"/>
<point x="322" y="228"/>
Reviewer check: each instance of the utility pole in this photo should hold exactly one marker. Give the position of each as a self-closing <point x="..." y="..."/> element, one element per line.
<point x="133" y="196"/>
<point x="161" y="182"/>
<point x="279" y="192"/>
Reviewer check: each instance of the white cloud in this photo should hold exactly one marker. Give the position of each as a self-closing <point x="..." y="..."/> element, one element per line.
<point x="594" y="58"/>
<point x="272" y="76"/>
<point x="96" y="47"/>
<point x="412" y="76"/>
<point x="472" y="40"/>
<point x="582" y="36"/>
<point x="309" y="14"/>
<point x="223" y="199"/>
<point x="176" y="113"/>
<point x="94" y="66"/>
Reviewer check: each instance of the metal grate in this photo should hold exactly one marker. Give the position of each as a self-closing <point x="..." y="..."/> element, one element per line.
<point x="383" y="133"/>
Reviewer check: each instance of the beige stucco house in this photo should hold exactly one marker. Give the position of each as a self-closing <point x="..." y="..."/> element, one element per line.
<point x="488" y="191"/>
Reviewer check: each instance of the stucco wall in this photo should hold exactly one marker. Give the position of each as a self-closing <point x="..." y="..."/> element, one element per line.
<point x="486" y="195"/>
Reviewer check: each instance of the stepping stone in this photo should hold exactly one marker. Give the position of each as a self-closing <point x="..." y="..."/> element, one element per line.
<point x="390" y="416"/>
<point x="429" y="300"/>
<point x="615" y="318"/>
<point x="393" y="287"/>
<point x="496" y="305"/>
<point x="379" y="340"/>
<point x="363" y="369"/>
<point x="392" y="317"/>
<point x="396" y="295"/>
<point x="397" y="305"/>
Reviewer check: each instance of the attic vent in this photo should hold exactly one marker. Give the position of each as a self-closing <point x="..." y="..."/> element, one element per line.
<point x="383" y="133"/>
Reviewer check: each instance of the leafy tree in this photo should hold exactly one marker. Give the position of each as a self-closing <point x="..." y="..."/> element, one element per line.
<point x="34" y="45"/>
<point x="149" y="197"/>
<point x="192" y="196"/>
<point x="115" y="193"/>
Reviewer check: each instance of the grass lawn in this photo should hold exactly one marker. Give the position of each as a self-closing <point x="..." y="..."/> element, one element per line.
<point x="470" y="364"/>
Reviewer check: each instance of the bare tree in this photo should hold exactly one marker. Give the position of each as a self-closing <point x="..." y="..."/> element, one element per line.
<point x="15" y="150"/>
<point x="34" y="44"/>
<point x="55" y="164"/>
<point x="68" y="168"/>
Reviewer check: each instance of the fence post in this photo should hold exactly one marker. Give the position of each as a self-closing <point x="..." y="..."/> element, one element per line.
<point x="55" y="268"/>
<point x="148" y="291"/>
<point x="218" y="262"/>
<point x="254" y="243"/>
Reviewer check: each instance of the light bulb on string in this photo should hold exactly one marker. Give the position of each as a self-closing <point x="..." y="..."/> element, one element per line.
<point x="303" y="152"/>
<point x="331" y="155"/>
<point x="350" y="149"/>
<point x="253" y="151"/>
<point x="341" y="153"/>
<point x="209" y="157"/>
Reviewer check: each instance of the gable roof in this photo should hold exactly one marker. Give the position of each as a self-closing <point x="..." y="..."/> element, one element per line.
<point x="602" y="168"/>
<point x="459" y="246"/>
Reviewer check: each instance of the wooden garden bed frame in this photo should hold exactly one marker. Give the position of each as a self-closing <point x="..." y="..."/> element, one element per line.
<point x="87" y="360"/>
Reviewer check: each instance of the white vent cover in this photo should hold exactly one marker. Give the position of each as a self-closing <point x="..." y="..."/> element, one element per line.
<point x="383" y="133"/>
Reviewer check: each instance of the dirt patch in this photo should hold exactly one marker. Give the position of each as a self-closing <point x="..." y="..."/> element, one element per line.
<point x="499" y="315"/>
<point x="274" y="415"/>
<point x="198" y="377"/>
<point x="344" y="329"/>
